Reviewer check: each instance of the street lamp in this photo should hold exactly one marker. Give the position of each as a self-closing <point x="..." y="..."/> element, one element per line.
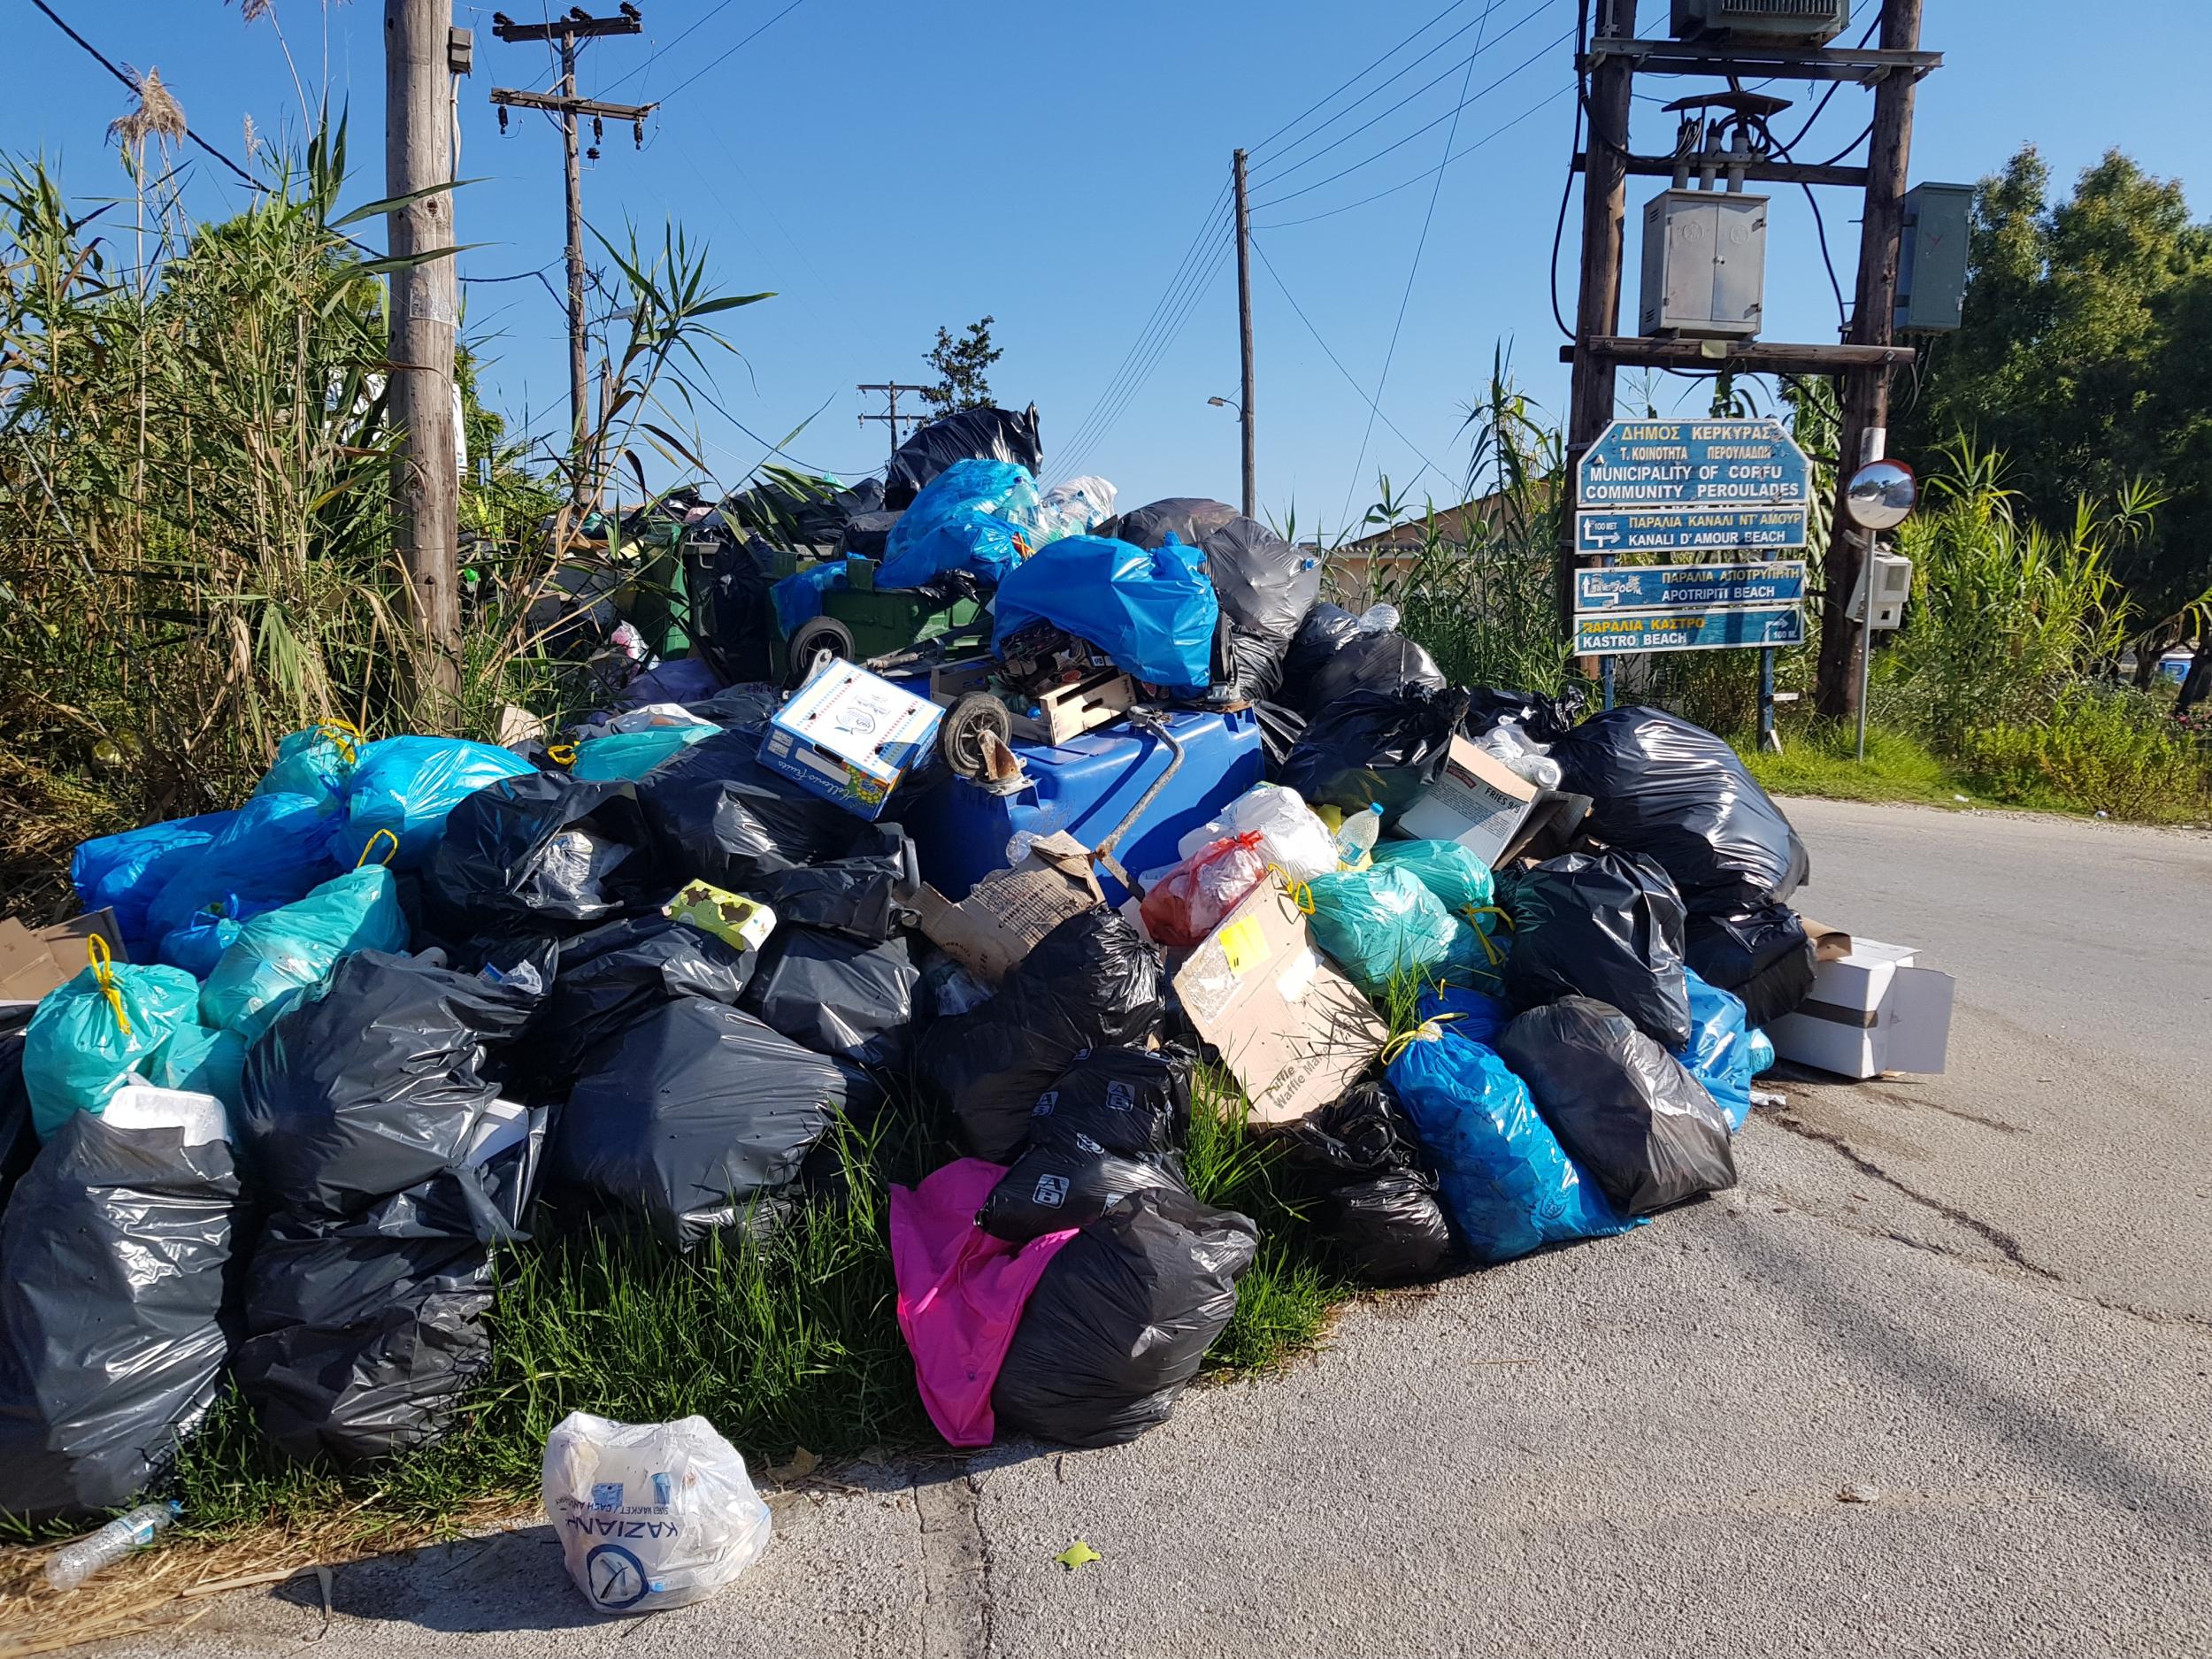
<point x="1225" y="402"/>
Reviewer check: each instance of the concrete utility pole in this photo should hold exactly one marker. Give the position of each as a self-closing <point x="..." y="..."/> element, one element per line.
<point x="1865" y="431"/>
<point x="1244" y="332"/>
<point x="891" y="390"/>
<point x="567" y="31"/>
<point x="424" y="307"/>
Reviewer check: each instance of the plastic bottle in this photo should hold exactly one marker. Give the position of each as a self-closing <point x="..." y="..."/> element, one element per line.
<point x="71" y="1564"/>
<point x="1357" y="840"/>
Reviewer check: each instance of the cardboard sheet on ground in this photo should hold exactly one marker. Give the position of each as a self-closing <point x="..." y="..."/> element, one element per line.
<point x="33" y="962"/>
<point x="1292" y="1031"/>
<point x="1007" y="912"/>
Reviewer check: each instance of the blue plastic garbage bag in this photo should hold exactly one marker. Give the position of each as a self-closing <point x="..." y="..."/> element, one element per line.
<point x="287" y="951"/>
<point x="276" y="848"/>
<point x="317" y="761"/>
<point x="798" y="598"/>
<point x="407" y="785"/>
<point x="90" y="1032"/>
<point x="125" y="872"/>
<point x="1762" y="1055"/>
<point x="1475" y="1015"/>
<point x="201" y="1059"/>
<point x="1380" y="922"/>
<point x="968" y="518"/>
<point x="198" y="945"/>
<point x="1510" y="1186"/>
<point x="625" y="757"/>
<point x="1153" y="612"/>
<point x="1719" y="1053"/>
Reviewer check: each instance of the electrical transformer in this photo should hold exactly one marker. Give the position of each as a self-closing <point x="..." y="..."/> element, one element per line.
<point x="1799" y="22"/>
<point x="1704" y="264"/>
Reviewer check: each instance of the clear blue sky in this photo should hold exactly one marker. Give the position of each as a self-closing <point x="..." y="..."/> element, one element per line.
<point x="887" y="168"/>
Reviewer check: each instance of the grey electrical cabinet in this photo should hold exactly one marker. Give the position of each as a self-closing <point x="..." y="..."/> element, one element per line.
<point x="1800" y="22"/>
<point x="1705" y="254"/>
<point x="1931" y="256"/>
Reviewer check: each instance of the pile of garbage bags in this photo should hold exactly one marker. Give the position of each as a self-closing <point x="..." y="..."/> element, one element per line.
<point x="417" y="998"/>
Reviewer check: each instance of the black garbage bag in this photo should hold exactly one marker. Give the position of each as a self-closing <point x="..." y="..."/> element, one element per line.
<point x="692" y="1112"/>
<point x="1266" y="585"/>
<point x="836" y="994"/>
<point x="602" y="980"/>
<point x="1132" y="1102"/>
<point x="118" y="1245"/>
<point x="1120" y="1320"/>
<point x="1602" y="924"/>
<point x="1545" y="719"/>
<point x="377" y="1084"/>
<point x="740" y="708"/>
<point x="1373" y="1187"/>
<point x="739" y="613"/>
<point x="544" y="853"/>
<point x="1659" y="785"/>
<point x="1624" y="1108"/>
<point x="18" y="1137"/>
<point x="1190" y="519"/>
<point x="721" y="817"/>
<point x="363" y="1337"/>
<point x="989" y="435"/>
<point x="1331" y="656"/>
<point x="1050" y="1188"/>
<point x="1375" y="747"/>
<point x="868" y="892"/>
<point x="802" y="512"/>
<point x="1280" y="728"/>
<point x="1092" y="982"/>
<point x="868" y="533"/>
<point x="1762" y="955"/>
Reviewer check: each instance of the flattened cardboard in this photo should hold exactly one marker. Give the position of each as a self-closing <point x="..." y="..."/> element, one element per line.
<point x="1479" y="802"/>
<point x="33" y="963"/>
<point x="1292" y="1031"/>
<point x="1007" y="912"/>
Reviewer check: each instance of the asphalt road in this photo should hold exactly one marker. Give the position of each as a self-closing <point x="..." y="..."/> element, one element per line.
<point x="1981" y="1304"/>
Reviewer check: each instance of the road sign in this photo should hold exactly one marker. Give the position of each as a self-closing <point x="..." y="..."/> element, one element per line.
<point x="1621" y="587"/>
<point x="1690" y="529"/>
<point x="1611" y="634"/>
<point x="1712" y="464"/>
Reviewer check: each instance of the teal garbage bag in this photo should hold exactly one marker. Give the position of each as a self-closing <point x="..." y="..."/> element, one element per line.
<point x="272" y="852"/>
<point x="1720" y="1051"/>
<point x="968" y="517"/>
<point x="1456" y="875"/>
<point x="125" y="872"/>
<point x="625" y="757"/>
<point x="1762" y="1055"/>
<point x="1508" y="1183"/>
<point x="317" y="761"/>
<point x="1379" y="923"/>
<point x="87" y="1035"/>
<point x="406" y="786"/>
<point x="198" y="945"/>
<point x="202" y="1059"/>
<point x="1153" y="612"/>
<point x="284" y="952"/>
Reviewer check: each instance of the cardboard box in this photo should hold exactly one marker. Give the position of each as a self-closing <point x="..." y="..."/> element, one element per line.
<point x="1872" y="1010"/>
<point x="850" y="736"/>
<point x="1007" y="912"/>
<point x="33" y="963"/>
<point x="1479" y="802"/>
<point x="1292" y="1031"/>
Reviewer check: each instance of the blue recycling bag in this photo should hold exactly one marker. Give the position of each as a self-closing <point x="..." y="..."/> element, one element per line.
<point x="407" y="785"/>
<point x="125" y="872"/>
<point x="625" y="757"/>
<point x="971" y="517"/>
<point x="1509" y="1185"/>
<point x="1153" y="612"/>
<point x="1475" y="1015"/>
<point x="1719" y="1051"/>
<point x="284" y="952"/>
<point x="317" y="762"/>
<point x="799" y="597"/>
<point x="271" y="853"/>
<point x="198" y="945"/>
<point x="89" y="1034"/>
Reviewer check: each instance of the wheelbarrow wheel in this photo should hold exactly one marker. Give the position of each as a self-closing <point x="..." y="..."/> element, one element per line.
<point x="814" y="636"/>
<point x="961" y="735"/>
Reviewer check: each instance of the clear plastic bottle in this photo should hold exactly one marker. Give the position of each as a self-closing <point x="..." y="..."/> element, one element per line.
<point x="71" y="1564"/>
<point x="1357" y="840"/>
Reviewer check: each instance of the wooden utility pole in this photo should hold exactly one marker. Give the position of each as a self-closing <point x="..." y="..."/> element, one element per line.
<point x="567" y="31"/>
<point x="423" y="308"/>
<point x="1865" y="431"/>
<point x="891" y="390"/>
<point x="1244" y="332"/>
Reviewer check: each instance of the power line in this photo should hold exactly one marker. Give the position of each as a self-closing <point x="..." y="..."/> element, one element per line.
<point x="669" y="45"/>
<point x="713" y="64"/>
<point x="101" y="58"/>
<point x="1371" y="68"/>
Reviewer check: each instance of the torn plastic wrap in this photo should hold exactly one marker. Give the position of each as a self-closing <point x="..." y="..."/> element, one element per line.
<point x="1607" y="926"/>
<point x="543" y="854"/>
<point x="836" y="994"/>
<point x="1643" y="1127"/>
<point x="1374" y="748"/>
<point x="1374" y="1191"/>
<point x="1120" y="1320"/>
<point x="119" y="1247"/>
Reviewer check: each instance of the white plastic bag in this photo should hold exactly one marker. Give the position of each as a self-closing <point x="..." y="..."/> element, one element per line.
<point x="650" y="1515"/>
<point x="1290" y="834"/>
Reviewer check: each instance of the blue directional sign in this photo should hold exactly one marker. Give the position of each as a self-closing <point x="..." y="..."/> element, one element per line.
<point x="1691" y="530"/>
<point x="1605" y="633"/>
<point x="1689" y="587"/>
<point x="1641" y="465"/>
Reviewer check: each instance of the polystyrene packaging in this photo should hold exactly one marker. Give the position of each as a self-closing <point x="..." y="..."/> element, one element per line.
<point x="650" y="1515"/>
<point x="1290" y="834"/>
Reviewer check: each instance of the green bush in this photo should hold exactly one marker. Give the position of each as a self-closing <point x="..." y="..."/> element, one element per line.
<point x="2113" y="751"/>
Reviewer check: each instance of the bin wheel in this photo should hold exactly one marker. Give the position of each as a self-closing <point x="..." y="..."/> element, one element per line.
<point x="816" y="635"/>
<point x="961" y="736"/>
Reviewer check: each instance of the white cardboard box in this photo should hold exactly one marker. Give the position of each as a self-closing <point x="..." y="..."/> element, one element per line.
<point x="1872" y="1012"/>
<point x="850" y="735"/>
<point x="1479" y="802"/>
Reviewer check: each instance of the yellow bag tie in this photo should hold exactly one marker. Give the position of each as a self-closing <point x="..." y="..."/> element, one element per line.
<point x="1428" y="1030"/>
<point x="383" y="835"/>
<point x="562" y="754"/>
<point x="1300" y="894"/>
<point x="345" y="734"/>
<point x="103" y="963"/>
